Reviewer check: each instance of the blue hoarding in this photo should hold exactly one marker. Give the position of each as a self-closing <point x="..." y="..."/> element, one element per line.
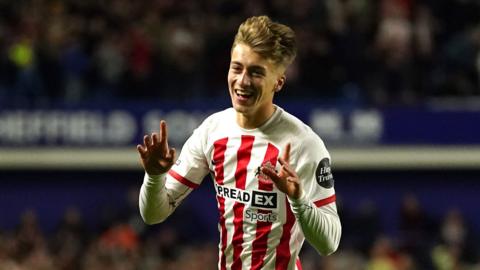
<point x="125" y="125"/>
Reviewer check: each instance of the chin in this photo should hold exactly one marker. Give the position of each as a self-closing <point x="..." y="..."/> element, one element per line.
<point x="242" y="108"/>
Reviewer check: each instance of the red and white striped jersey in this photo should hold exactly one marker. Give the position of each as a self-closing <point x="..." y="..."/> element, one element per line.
<point x="258" y="225"/>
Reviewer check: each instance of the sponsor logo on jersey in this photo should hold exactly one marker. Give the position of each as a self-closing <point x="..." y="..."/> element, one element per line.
<point x="264" y="199"/>
<point x="255" y="215"/>
<point x="233" y="193"/>
<point x="323" y="173"/>
<point x="254" y="198"/>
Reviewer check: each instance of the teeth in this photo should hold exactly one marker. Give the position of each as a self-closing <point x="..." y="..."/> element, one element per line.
<point x="243" y="93"/>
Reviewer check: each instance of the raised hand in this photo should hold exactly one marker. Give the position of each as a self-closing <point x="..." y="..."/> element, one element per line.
<point x="287" y="179"/>
<point x="155" y="155"/>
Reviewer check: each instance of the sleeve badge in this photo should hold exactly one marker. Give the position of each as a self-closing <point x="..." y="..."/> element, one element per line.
<point x="323" y="173"/>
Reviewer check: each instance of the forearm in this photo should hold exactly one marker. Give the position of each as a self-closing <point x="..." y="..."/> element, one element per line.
<point x="154" y="200"/>
<point x="320" y="225"/>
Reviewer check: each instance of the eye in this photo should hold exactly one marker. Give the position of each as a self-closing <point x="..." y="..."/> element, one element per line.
<point x="257" y="73"/>
<point x="236" y="69"/>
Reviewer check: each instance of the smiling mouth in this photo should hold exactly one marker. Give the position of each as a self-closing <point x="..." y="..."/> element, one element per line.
<point x="243" y="94"/>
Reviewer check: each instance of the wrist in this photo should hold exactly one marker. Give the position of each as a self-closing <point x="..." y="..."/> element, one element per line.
<point x="302" y="199"/>
<point x="155" y="177"/>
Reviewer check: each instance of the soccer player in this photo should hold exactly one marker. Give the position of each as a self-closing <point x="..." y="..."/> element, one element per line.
<point x="271" y="172"/>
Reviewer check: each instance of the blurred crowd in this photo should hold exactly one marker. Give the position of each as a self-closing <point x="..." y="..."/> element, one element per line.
<point x="420" y="241"/>
<point x="384" y="52"/>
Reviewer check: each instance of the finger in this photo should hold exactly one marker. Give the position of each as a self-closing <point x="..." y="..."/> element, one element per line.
<point x="293" y="180"/>
<point x="163" y="134"/>
<point x="156" y="144"/>
<point x="286" y="153"/>
<point x="286" y="167"/>
<point x="155" y="138"/>
<point x="147" y="141"/>
<point x="271" y="173"/>
<point x="142" y="151"/>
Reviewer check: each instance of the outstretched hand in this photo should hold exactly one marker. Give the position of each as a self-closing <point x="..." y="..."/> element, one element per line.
<point x="286" y="180"/>
<point x="155" y="155"/>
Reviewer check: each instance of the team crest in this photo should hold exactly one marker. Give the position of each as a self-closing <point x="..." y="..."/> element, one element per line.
<point x="261" y="177"/>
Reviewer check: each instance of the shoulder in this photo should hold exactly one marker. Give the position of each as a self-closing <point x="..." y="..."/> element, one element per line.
<point x="299" y="129"/>
<point x="215" y="125"/>
<point x="306" y="140"/>
<point x="217" y="119"/>
<point x="202" y="134"/>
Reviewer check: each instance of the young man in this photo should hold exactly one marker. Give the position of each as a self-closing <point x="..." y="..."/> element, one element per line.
<point x="269" y="199"/>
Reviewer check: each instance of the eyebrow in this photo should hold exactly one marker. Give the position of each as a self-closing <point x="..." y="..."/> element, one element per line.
<point x="255" y="67"/>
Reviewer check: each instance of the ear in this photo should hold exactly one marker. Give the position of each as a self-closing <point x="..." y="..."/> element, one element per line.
<point x="280" y="83"/>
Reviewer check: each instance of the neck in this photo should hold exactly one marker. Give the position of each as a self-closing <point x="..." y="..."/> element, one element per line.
<point x="255" y="120"/>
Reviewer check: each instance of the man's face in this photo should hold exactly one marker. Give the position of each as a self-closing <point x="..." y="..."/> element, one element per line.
<point x="252" y="81"/>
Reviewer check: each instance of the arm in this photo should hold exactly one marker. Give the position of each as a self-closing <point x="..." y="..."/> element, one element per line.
<point x="154" y="200"/>
<point x="159" y="197"/>
<point x="166" y="183"/>
<point x="156" y="158"/>
<point x="320" y="225"/>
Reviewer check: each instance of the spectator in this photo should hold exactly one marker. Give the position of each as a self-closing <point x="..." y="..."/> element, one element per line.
<point x="395" y="52"/>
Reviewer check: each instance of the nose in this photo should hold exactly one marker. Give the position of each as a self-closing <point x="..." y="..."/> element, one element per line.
<point x="245" y="79"/>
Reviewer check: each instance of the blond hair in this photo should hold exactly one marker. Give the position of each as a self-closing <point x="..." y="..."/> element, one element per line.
<point x="270" y="39"/>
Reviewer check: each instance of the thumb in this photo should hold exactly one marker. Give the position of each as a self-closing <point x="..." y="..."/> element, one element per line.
<point x="171" y="153"/>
